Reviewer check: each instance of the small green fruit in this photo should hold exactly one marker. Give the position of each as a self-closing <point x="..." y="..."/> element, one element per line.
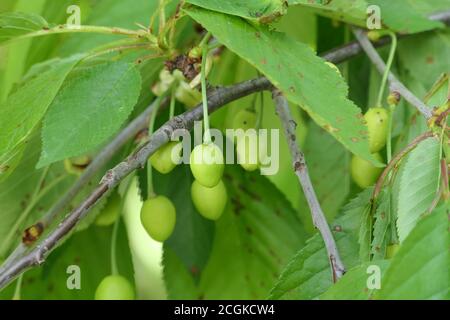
<point x="110" y="212"/>
<point x="209" y="202"/>
<point x="377" y="123"/>
<point x="245" y="120"/>
<point x="77" y="165"/>
<point x="247" y="153"/>
<point x="158" y="216"/>
<point x="374" y="35"/>
<point x="114" y="287"/>
<point x="392" y="250"/>
<point x="207" y="164"/>
<point x="196" y="53"/>
<point x="162" y="160"/>
<point x="363" y="172"/>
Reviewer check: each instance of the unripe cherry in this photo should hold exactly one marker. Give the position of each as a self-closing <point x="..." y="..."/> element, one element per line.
<point x="114" y="287"/>
<point x="377" y="124"/>
<point x="162" y="160"/>
<point x="209" y="202"/>
<point x="207" y="164"/>
<point x="244" y="119"/>
<point x="158" y="217"/>
<point x="363" y="172"/>
<point x="247" y="153"/>
<point x="109" y="214"/>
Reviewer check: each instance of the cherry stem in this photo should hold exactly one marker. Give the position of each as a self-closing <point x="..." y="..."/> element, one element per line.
<point x="389" y="133"/>
<point x="207" y="137"/>
<point x="388" y="68"/>
<point x="18" y="288"/>
<point x="261" y="111"/>
<point x="151" y="127"/>
<point x="204" y="41"/>
<point x="172" y="104"/>
<point x="114" y="267"/>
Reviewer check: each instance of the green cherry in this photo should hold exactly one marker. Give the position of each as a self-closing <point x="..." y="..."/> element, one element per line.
<point x="209" y="202"/>
<point x="77" y="165"/>
<point x="247" y="154"/>
<point x="114" y="287"/>
<point x="244" y="119"/>
<point x="110" y="212"/>
<point x="392" y="250"/>
<point x="363" y="172"/>
<point x="377" y="123"/>
<point x="162" y="160"/>
<point x="207" y="164"/>
<point x="158" y="216"/>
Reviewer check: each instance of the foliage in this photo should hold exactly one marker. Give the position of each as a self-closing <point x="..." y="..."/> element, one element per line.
<point x="67" y="91"/>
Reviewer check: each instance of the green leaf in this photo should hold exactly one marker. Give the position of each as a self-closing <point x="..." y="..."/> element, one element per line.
<point x="328" y="164"/>
<point x="193" y="236"/>
<point x="353" y="12"/>
<point x="298" y="72"/>
<point x="16" y="24"/>
<point x="423" y="58"/>
<point x="254" y="238"/>
<point x="308" y="274"/>
<point x="182" y="286"/>
<point x="90" y="251"/>
<point x="419" y="183"/>
<point x="353" y="285"/>
<point x="404" y="16"/>
<point x="256" y="10"/>
<point x="419" y="270"/>
<point x="91" y="106"/>
<point x="17" y="190"/>
<point x="21" y="113"/>
<point x="383" y="226"/>
<point x="360" y="208"/>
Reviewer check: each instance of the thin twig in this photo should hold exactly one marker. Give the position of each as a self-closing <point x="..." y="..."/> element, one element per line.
<point x="395" y="84"/>
<point x="301" y="170"/>
<point x="353" y="48"/>
<point x="336" y="56"/>
<point x="217" y="99"/>
<point x="133" y="128"/>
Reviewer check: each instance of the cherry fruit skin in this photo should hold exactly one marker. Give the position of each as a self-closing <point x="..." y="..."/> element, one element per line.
<point x="248" y="156"/>
<point x="209" y="202"/>
<point x="110" y="212"/>
<point x="244" y="119"/>
<point x="114" y="287"/>
<point x="392" y="250"/>
<point x="377" y="123"/>
<point x="363" y="172"/>
<point x="207" y="164"/>
<point x="158" y="216"/>
<point x="162" y="160"/>
<point x="77" y="165"/>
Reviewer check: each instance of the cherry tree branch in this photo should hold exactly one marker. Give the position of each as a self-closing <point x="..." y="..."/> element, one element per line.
<point x="18" y="263"/>
<point x="336" y="56"/>
<point x="301" y="170"/>
<point x="353" y="48"/>
<point x="395" y="84"/>
<point x="100" y="160"/>
<point x="112" y="178"/>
